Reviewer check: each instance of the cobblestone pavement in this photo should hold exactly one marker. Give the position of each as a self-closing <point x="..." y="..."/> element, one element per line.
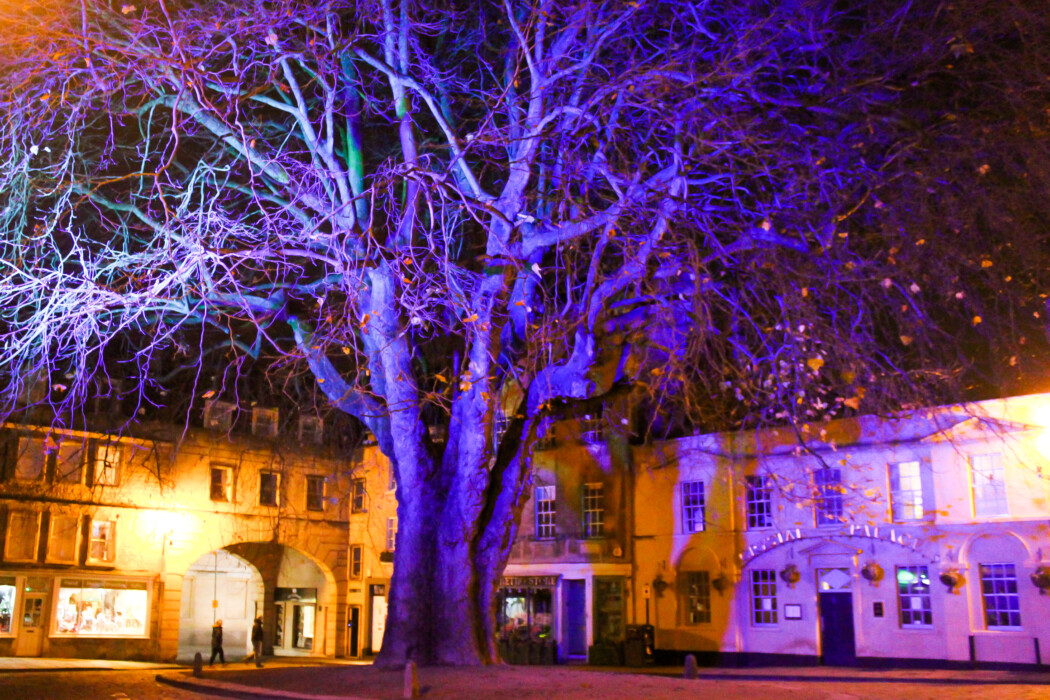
<point x="86" y="684"/>
<point x="280" y="680"/>
<point x="567" y="683"/>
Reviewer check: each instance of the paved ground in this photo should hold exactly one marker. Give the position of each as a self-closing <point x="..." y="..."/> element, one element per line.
<point x="57" y="679"/>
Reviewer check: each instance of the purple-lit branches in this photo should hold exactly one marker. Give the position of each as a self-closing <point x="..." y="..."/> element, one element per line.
<point x="499" y="209"/>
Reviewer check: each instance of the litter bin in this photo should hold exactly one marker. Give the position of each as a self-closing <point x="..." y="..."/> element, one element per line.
<point x="638" y="645"/>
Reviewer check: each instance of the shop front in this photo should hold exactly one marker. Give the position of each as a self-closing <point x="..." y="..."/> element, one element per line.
<point x="74" y="617"/>
<point x="526" y="621"/>
<point x="295" y="620"/>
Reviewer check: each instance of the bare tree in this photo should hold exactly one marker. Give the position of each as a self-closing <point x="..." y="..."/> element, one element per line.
<point x="484" y="214"/>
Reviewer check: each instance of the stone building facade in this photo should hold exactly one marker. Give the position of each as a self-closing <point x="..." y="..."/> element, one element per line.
<point x="132" y="546"/>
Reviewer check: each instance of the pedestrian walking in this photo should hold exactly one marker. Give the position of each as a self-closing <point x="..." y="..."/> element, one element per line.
<point x="216" y="644"/>
<point x="257" y="641"/>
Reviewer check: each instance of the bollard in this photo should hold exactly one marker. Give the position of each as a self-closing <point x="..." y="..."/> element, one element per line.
<point x="411" y="681"/>
<point x="690" y="667"/>
<point x="198" y="665"/>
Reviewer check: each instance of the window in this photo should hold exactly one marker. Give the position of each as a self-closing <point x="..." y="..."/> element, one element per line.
<point x="356" y="555"/>
<point x="391" y="534"/>
<point x="69" y="462"/>
<point x="545" y="512"/>
<point x="697" y="597"/>
<point x="828" y="485"/>
<point x="32" y="458"/>
<point x="593" y="510"/>
<point x="315" y="493"/>
<point x="103" y="540"/>
<point x="269" y="488"/>
<point x="592" y="430"/>
<point x="905" y="491"/>
<point x="391" y="483"/>
<point x="218" y="415"/>
<point x="500" y="426"/>
<point x="763" y="597"/>
<point x="107" y="465"/>
<point x="311" y="430"/>
<point x="358" y="504"/>
<point x="692" y="506"/>
<point x="913" y="596"/>
<point x="545" y="435"/>
<point x="62" y="538"/>
<point x="759" y="497"/>
<point x="1002" y="604"/>
<point x="989" y="485"/>
<point x="264" y="422"/>
<point x="23" y="529"/>
<point x="101" y="608"/>
<point x="222" y="484"/>
<point x="7" y="603"/>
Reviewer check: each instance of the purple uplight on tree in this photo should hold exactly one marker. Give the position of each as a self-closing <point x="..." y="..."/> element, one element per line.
<point x="490" y="214"/>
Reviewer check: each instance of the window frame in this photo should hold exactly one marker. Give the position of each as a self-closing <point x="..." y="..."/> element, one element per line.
<point x="828" y="493"/>
<point x="763" y="586"/>
<point x="53" y="520"/>
<point x="9" y="530"/>
<point x="358" y="496"/>
<point x="103" y="471"/>
<point x="546" y="508"/>
<point x="45" y="453"/>
<point x="357" y="558"/>
<point x="319" y="505"/>
<point x="693" y="505"/>
<point x="984" y="507"/>
<point x="311" y="430"/>
<point x="697" y="590"/>
<point x="70" y="448"/>
<point x="391" y="533"/>
<point x="998" y="596"/>
<point x="906" y="500"/>
<point x="909" y="592"/>
<point x="265" y="422"/>
<point x="758" y="499"/>
<point x="593" y="498"/>
<point x="109" y="542"/>
<point x="219" y="415"/>
<point x="226" y="485"/>
<point x="276" y="476"/>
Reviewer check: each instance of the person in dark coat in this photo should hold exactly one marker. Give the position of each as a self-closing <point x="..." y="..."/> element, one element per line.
<point x="257" y="641"/>
<point x="216" y="643"/>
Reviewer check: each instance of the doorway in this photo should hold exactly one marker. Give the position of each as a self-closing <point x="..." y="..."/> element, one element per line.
<point x="31" y="635"/>
<point x="378" y="594"/>
<point x="835" y="607"/>
<point x="353" y="624"/>
<point x="576" y="618"/>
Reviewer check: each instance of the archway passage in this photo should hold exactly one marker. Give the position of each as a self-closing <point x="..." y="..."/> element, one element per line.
<point x="236" y="584"/>
<point x="219" y="586"/>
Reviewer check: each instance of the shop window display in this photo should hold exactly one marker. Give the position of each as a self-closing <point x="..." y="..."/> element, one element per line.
<point x="526" y="614"/>
<point x="7" y="603"/>
<point x="101" y="608"/>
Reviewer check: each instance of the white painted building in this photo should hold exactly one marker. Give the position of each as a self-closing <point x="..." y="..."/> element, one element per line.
<point x="922" y="540"/>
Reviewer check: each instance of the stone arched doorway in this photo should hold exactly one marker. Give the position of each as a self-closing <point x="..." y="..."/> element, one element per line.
<point x="237" y="583"/>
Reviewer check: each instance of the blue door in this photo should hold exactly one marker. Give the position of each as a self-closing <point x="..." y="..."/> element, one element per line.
<point x="837" y="644"/>
<point x="576" y="618"/>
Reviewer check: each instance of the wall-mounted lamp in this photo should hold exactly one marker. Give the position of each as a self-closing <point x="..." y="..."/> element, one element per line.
<point x="1041" y="579"/>
<point x="872" y="572"/>
<point x="791" y="575"/>
<point x="953" y="579"/>
<point x="721" y="582"/>
<point x="659" y="585"/>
